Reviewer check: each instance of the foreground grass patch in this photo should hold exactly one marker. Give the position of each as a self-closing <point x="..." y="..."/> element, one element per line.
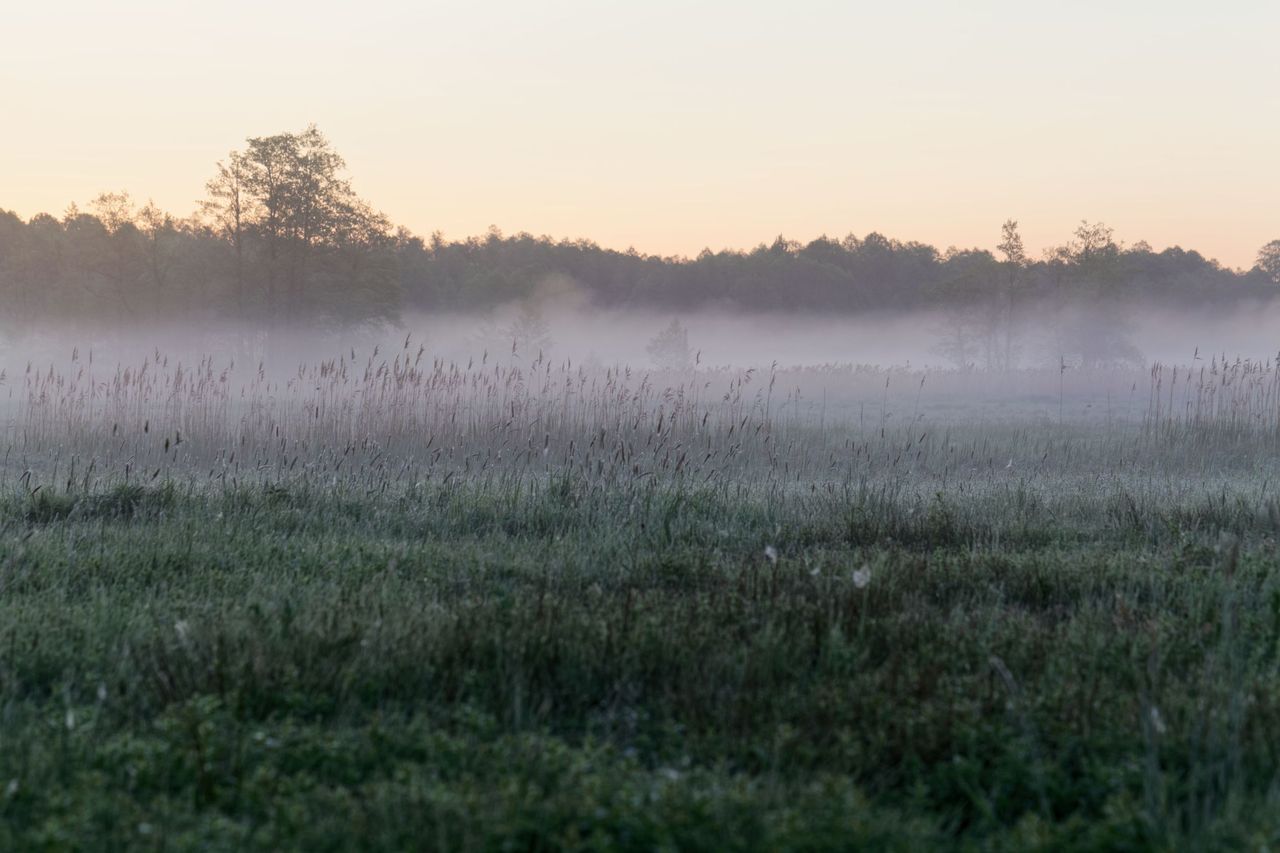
<point x="469" y="669"/>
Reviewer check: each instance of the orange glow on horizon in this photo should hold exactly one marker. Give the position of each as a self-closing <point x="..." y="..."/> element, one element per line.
<point x="583" y="122"/>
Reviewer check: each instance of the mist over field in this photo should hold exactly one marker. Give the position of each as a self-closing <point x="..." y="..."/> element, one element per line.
<point x="883" y="339"/>
<point x="568" y="330"/>
<point x="569" y="326"/>
<point x="323" y="530"/>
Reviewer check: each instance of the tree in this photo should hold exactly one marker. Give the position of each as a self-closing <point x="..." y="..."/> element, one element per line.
<point x="359" y="280"/>
<point x="669" y="349"/>
<point x="1011" y="244"/>
<point x="114" y="210"/>
<point x="1093" y="241"/>
<point x="159" y="231"/>
<point x="1093" y="326"/>
<point x="228" y="211"/>
<point x="288" y="195"/>
<point x="1015" y="261"/>
<point x="972" y="310"/>
<point x="1269" y="260"/>
<point x="121" y="257"/>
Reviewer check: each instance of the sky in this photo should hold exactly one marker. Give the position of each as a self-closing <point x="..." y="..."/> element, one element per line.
<point x="674" y="126"/>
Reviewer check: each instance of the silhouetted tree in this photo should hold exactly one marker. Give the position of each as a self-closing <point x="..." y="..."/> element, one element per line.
<point x="1009" y="293"/>
<point x="1269" y="260"/>
<point x="1093" y="326"/>
<point x="229" y="209"/>
<point x="288" y="193"/>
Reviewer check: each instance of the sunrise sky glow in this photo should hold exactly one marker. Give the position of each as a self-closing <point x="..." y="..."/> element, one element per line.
<point x="671" y="126"/>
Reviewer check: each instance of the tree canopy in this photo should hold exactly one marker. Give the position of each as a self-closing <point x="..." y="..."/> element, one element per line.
<point x="282" y="238"/>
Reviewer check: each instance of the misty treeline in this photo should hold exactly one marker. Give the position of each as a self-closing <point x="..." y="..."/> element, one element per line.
<point x="282" y="239"/>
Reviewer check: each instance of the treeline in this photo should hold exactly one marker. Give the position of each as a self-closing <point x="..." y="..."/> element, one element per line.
<point x="282" y="239"/>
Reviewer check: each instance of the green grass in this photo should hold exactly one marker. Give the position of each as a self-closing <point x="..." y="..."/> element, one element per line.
<point x="535" y="667"/>
<point x="382" y="605"/>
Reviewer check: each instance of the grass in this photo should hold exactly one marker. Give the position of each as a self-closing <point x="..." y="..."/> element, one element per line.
<point x="455" y="640"/>
<point x="248" y="669"/>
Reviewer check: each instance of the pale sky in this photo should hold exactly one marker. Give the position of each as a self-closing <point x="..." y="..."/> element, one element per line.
<point x="670" y="126"/>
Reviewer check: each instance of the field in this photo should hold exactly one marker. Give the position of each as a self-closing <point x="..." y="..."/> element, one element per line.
<point x="386" y="602"/>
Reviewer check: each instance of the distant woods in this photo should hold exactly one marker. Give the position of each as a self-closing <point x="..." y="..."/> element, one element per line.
<point x="281" y="238"/>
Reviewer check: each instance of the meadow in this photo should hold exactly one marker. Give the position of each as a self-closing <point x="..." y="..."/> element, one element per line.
<point x="383" y="601"/>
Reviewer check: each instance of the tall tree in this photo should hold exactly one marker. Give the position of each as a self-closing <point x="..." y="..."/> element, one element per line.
<point x="288" y="195"/>
<point x="1269" y="260"/>
<point x="1015" y="261"/>
<point x="228" y="210"/>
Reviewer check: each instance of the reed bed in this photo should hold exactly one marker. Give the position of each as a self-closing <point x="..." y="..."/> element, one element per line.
<point x="392" y="421"/>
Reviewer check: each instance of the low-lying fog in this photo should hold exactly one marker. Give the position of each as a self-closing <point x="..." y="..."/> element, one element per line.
<point x="884" y="369"/>
<point x="1132" y="339"/>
